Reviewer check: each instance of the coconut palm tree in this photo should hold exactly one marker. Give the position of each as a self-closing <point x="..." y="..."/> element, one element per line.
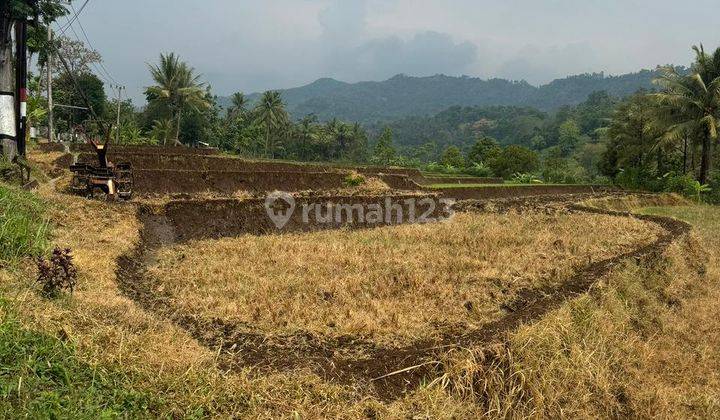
<point x="307" y="135"/>
<point x="696" y="101"/>
<point x="238" y="104"/>
<point x="162" y="131"/>
<point x="177" y="88"/>
<point x="271" y="115"/>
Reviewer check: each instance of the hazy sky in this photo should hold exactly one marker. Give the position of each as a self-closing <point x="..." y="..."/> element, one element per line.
<point x="253" y="45"/>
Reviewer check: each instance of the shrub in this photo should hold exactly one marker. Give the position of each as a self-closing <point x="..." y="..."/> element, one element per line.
<point x="639" y="179"/>
<point x="453" y="157"/>
<point x="479" y="170"/>
<point x="515" y="159"/>
<point x="602" y="180"/>
<point x="519" y="178"/>
<point x="435" y="167"/>
<point x="57" y="274"/>
<point x="354" y="180"/>
<point x="564" y="171"/>
<point x="685" y="185"/>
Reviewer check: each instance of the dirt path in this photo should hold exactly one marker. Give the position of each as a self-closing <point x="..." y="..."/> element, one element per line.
<point x="385" y="372"/>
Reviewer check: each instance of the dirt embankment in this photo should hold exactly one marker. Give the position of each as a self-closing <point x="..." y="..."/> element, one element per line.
<point x="203" y="219"/>
<point x="155" y="181"/>
<point x="512" y="191"/>
<point x="170" y="173"/>
<point x="171" y="159"/>
<point x="461" y="180"/>
<point x="169" y="181"/>
<point x="386" y="372"/>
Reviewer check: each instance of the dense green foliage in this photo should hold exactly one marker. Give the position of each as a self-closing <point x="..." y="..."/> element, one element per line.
<point x="403" y="96"/>
<point x="565" y="146"/>
<point x="177" y="90"/>
<point x="666" y="141"/>
<point x="24" y="227"/>
<point x="47" y="10"/>
<point x="462" y="126"/>
<point x="65" y="92"/>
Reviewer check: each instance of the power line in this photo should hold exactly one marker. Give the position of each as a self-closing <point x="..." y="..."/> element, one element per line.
<point x="112" y="83"/>
<point x="94" y="66"/>
<point x="82" y="29"/>
<point x="77" y="14"/>
<point x="83" y="95"/>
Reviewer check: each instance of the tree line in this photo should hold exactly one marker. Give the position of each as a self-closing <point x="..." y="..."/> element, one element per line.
<point x="666" y="140"/>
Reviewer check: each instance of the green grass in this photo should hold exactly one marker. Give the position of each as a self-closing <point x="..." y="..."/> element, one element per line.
<point x="442" y="186"/>
<point x="41" y="377"/>
<point x="704" y="218"/>
<point x="24" y="227"/>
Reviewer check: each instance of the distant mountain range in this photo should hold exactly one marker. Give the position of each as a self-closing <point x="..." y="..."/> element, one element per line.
<point x="403" y="96"/>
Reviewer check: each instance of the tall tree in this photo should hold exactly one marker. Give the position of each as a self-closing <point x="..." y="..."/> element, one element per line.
<point x="77" y="55"/>
<point x="67" y="91"/>
<point x="569" y="137"/>
<point x="638" y="146"/>
<point x="270" y="113"/>
<point x="452" y="157"/>
<point x="238" y="105"/>
<point x="357" y="150"/>
<point x="484" y="150"/>
<point x="385" y="153"/>
<point x="307" y="135"/>
<point x="515" y="159"/>
<point x="177" y="89"/>
<point x="696" y="99"/>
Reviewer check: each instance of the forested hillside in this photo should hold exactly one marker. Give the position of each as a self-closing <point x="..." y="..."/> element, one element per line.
<point x="427" y="137"/>
<point x="403" y="96"/>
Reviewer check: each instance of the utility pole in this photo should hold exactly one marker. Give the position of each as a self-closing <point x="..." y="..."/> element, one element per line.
<point x="117" y="126"/>
<point x="51" y="119"/>
<point x="8" y="127"/>
<point x="21" y="84"/>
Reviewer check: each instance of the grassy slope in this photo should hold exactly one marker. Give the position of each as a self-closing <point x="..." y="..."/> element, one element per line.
<point x="40" y="376"/>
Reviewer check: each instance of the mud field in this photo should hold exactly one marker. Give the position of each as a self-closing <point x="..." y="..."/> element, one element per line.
<point x="382" y="371"/>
